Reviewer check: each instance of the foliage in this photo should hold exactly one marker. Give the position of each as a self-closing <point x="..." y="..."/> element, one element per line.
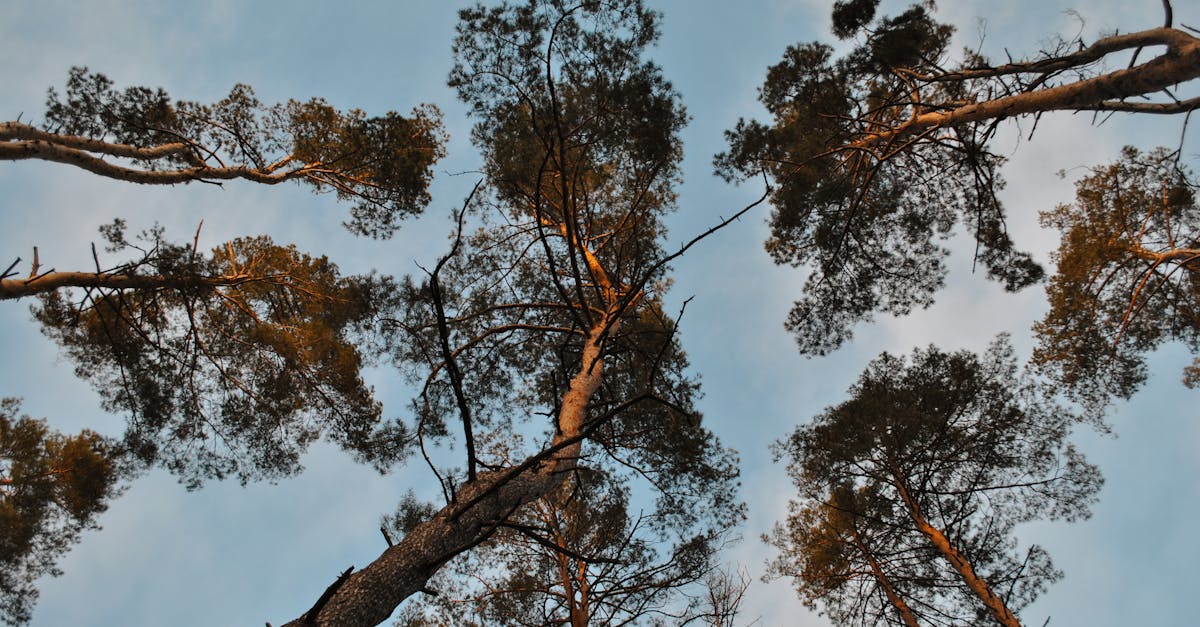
<point x="1128" y="275"/>
<point x="539" y="342"/>
<point x="568" y="244"/>
<point x="232" y="363"/>
<point x="870" y="227"/>
<point x="580" y="161"/>
<point x="236" y="375"/>
<point x="878" y="153"/>
<point x="548" y="304"/>
<point x="958" y="441"/>
<point x="382" y="164"/>
<point x="52" y="488"/>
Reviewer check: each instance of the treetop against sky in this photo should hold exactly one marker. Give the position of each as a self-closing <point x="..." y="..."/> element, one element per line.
<point x="507" y="319"/>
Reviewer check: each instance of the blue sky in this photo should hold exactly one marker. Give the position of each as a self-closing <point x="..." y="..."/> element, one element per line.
<point x="228" y="555"/>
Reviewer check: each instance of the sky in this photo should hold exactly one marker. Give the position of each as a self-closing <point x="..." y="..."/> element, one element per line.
<point x="233" y="555"/>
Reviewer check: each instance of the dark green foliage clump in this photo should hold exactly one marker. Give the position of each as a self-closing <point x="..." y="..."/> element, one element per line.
<point x="235" y="377"/>
<point x="849" y="16"/>
<point x="963" y="441"/>
<point x="869" y="218"/>
<point x="381" y="164"/>
<point x="52" y="488"/>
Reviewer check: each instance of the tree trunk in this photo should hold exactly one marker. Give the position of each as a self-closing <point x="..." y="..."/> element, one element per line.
<point x="370" y="596"/>
<point x="51" y="281"/>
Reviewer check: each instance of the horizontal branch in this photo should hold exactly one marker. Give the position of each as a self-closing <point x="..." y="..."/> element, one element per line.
<point x="1182" y="256"/>
<point x="1170" y="37"/>
<point x="82" y="158"/>
<point x="53" y="472"/>
<point x="51" y="281"/>
<point x="1162" y="108"/>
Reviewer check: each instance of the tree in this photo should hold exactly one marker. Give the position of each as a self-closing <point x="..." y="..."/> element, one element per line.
<point x="553" y="307"/>
<point x="52" y="487"/>
<point x="542" y="327"/>
<point x="226" y="364"/>
<point x="879" y="153"/>
<point x="1128" y="276"/>
<point x="910" y="491"/>
<point x="230" y="363"/>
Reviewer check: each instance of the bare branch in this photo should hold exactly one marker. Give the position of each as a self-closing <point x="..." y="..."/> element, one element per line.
<point x="460" y="396"/>
<point x="51" y="281"/>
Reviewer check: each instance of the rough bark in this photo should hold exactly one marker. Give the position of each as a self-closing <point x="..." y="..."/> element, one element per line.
<point x="369" y="596"/>
<point x="1181" y="256"/>
<point x="10" y="131"/>
<point x="19" y="142"/>
<point x="60" y="153"/>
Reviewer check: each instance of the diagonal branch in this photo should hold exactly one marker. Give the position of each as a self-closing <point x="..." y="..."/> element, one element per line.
<point x="1181" y="63"/>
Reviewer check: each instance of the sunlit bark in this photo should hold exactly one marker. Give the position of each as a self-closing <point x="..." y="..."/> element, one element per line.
<point x="977" y="584"/>
<point x="51" y="281"/>
<point x="1106" y="92"/>
<point x="885" y="582"/>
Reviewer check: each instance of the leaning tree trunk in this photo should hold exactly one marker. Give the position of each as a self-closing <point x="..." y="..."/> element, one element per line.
<point x="370" y="596"/>
<point x="966" y="570"/>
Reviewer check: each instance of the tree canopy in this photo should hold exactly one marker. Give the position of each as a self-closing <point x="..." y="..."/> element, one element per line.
<point x="552" y="308"/>
<point x="570" y="477"/>
<point x="381" y="164"/>
<point x="52" y="487"/>
<point x="540" y="329"/>
<point x="228" y="363"/>
<point x="909" y="492"/>
<point x="879" y="153"/>
<point x="1128" y="276"/>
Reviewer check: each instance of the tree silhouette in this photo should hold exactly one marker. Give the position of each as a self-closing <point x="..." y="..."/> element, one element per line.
<point x="552" y="307"/>
<point x="228" y="363"/>
<point x="542" y="326"/>
<point x="382" y="164"/>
